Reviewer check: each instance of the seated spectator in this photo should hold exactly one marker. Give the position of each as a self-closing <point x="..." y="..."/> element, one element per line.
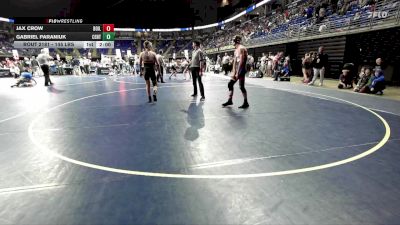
<point x="321" y="15"/>
<point x="344" y="9"/>
<point x="360" y="74"/>
<point x="309" y="11"/>
<point x="287" y="66"/>
<point x="285" y="72"/>
<point x="346" y="78"/>
<point x="364" y="77"/>
<point x="377" y="82"/>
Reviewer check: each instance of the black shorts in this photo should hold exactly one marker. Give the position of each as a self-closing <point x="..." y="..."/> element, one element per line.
<point x="149" y="74"/>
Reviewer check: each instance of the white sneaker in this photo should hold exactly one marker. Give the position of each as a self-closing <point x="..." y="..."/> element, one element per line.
<point x="320" y="84"/>
<point x="310" y="84"/>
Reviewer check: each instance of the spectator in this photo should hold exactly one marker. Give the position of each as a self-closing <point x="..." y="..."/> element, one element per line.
<point x="377" y="83"/>
<point x="270" y="61"/>
<point x="379" y="63"/>
<point x="219" y="60"/>
<point x="225" y="63"/>
<point x="288" y="64"/>
<point x="309" y="11"/>
<point x="278" y="65"/>
<point x="306" y="65"/>
<point x="60" y="68"/>
<point x="285" y="72"/>
<point x="321" y="15"/>
<point x="250" y="63"/>
<point x="346" y="78"/>
<point x="320" y="63"/>
<point x="263" y="64"/>
<point x="362" y="84"/>
<point x="362" y="72"/>
<point x="86" y="65"/>
<point x="35" y="66"/>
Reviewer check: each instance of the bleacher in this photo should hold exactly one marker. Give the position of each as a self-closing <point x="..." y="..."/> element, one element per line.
<point x="269" y="29"/>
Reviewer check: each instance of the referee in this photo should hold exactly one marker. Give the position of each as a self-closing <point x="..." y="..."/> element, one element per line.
<point x="196" y="67"/>
<point x="43" y="59"/>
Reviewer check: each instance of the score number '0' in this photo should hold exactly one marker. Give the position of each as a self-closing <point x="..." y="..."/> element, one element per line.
<point x="108" y="27"/>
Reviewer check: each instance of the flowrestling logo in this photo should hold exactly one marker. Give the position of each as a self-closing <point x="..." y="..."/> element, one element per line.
<point x="59" y="21"/>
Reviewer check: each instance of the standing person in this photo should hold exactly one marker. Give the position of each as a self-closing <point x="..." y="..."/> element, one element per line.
<point x="82" y="65"/>
<point x="239" y="72"/>
<point x="219" y="60"/>
<point x="250" y="63"/>
<point x="160" y="60"/>
<point x="35" y="66"/>
<point x="43" y="59"/>
<point x="263" y="64"/>
<point x="185" y="67"/>
<point x="196" y="66"/>
<point x="278" y="65"/>
<point x="86" y="65"/>
<point x="137" y="65"/>
<point x="320" y="64"/>
<point x="225" y="63"/>
<point x="306" y="65"/>
<point x="60" y="69"/>
<point x="270" y="61"/>
<point x="173" y="68"/>
<point x="149" y="60"/>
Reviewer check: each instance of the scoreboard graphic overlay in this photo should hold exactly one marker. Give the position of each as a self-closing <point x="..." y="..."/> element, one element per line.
<point x="62" y="33"/>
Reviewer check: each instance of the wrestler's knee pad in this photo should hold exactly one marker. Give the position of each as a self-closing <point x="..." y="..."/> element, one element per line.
<point x="242" y="88"/>
<point x="230" y="85"/>
<point x="154" y="81"/>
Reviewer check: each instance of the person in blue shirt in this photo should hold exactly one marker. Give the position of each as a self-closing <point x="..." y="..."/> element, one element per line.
<point x="378" y="82"/>
<point x="25" y="77"/>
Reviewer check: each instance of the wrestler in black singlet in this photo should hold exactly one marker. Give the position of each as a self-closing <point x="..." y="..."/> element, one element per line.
<point x="148" y="58"/>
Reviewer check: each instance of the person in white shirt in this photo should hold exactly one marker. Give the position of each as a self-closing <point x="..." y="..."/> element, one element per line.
<point x="137" y="66"/>
<point x="185" y="66"/>
<point x="263" y="64"/>
<point x="219" y="60"/>
<point x="225" y="63"/>
<point x="270" y="60"/>
<point x="160" y="73"/>
<point x="43" y="59"/>
<point x="250" y="63"/>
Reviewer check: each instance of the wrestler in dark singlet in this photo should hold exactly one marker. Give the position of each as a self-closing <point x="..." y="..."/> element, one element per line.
<point x="239" y="72"/>
<point x="149" y="60"/>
